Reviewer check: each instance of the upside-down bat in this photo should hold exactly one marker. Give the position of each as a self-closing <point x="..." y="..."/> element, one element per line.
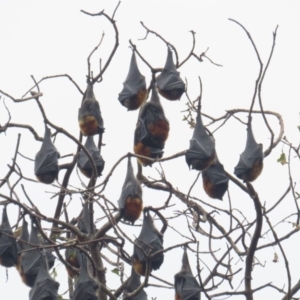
<point x="73" y="257"/>
<point x="186" y="286"/>
<point x="169" y="83"/>
<point x="85" y="287"/>
<point x="24" y="236"/>
<point x="215" y="181"/>
<point x="134" y="92"/>
<point x="30" y="261"/>
<point x="152" y="130"/>
<point x="201" y="153"/>
<point x="84" y="219"/>
<point x="89" y="115"/>
<point x="8" y="244"/>
<point x="84" y="163"/>
<point x="130" y="202"/>
<point x="44" y="288"/>
<point x="151" y="241"/>
<point x="250" y="164"/>
<point x="46" y="160"/>
<point x="133" y="283"/>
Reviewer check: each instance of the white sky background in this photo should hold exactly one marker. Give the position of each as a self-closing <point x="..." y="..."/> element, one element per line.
<point x="44" y="38"/>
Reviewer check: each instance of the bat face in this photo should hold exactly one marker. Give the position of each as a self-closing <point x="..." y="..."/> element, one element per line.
<point x="84" y="163"/>
<point x="30" y="261"/>
<point x="150" y="240"/>
<point x="46" y="160"/>
<point x="169" y="83"/>
<point x="134" y="92"/>
<point x="215" y="181"/>
<point x="130" y="202"/>
<point x="133" y="283"/>
<point x="186" y="286"/>
<point x="44" y="288"/>
<point x="8" y="244"/>
<point x="84" y="219"/>
<point x="85" y="286"/>
<point x="89" y="115"/>
<point x="250" y="164"/>
<point x="201" y="153"/>
<point x="73" y="257"/>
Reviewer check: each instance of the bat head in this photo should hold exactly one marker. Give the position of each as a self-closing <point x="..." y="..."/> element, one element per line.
<point x="133" y="283"/>
<point x="46" y="160"/>
<point x="169" y="83"/>
<point x="84" y="164"/>
<point x="250" y="164"/>
<point x="8" y="245"/>
<point x="44" y="286"/>
<point x="134" y="92"/>
<point x="201" y="153"/>
<point x="215" y="181"/>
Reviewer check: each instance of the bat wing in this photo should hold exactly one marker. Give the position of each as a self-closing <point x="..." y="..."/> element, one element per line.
<point x="134" y="81"/>
<point x="169" y="80"/>
<point x="46" y="162"/>
<point x="44" y="286"/>
<point x="133" y="283"/>
<point x="8" y="245"/>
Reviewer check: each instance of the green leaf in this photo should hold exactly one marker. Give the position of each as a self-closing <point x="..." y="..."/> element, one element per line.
<point x="298" y="195"/>
<point x="282" y="159"/>
<point x="298" y="127"/>
<point x="116" y="271"/>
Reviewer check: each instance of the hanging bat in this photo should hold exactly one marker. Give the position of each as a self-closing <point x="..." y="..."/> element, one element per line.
<point x="250" y="164"/>
<point x="201" y="153"/>
<point x="133" y="283"/>
<point x="46" y="160"/>
<point x="89" y="115"/>
<point x="215" y="181"/>
<point x="152" y="130"/>
<point x="150" y="240"/>
<point x="186" y="286"/>
<point x="30" y="260"/>
<point x="84" y="219"/>
<point x="130" y="202"/>
<point x="169" y="83"/>
<point x="134" y="92"/>
<point x="84" y="163"/>
<point x="85" y="287"/>
<point x="73" y="257"/>
<point x="44" y="288"/>
<point x="8" y="244"/>
<point x="24" y="236"/>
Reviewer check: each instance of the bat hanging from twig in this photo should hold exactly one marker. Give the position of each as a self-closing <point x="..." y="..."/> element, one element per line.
<point x="46" y="160"/>
<point x="89" y="114"/>
<point x="152" y="130"/>
<point x="201" y="153"/>
<point x="133" y="283"/>
<point x="84" y="219"/>
<point x="215" y="181"/>
<point x="169" y="83"/>
<point x="134" y="92"/>
<point x="130" y="202"/>
<point x="44" y="288"/>
<point x="250" y="164"/>
<point x="151" y="241"/>
<point x="8" y="244"/>
<point x="186" y="286"/>
<point x="84" y="163"/>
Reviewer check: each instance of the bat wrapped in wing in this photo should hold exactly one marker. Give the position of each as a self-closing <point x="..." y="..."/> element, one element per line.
<point x="89" y="114"/>
<point x="84" y="219"/>
<point x="151" y="241"/>
<point x="44" y="288"/>
<point x="186" y="286"/>
<point x="215" y="181"/>
<point x="134" y="92"/>
<point x="46" y="160"/>
<point x="169" y="83"/>
<point x="201" y="153"/>
<point x="84" y="163"/>
<point x="250" y="164"/>
<point x="130" y="202"/>
<point x="152" y="130"/>
<point x="30" y="261"/>
<point x="8" y="244"/>
<point x="133" y="283"/>
<point x="85" y="287"/>
<point x="24" y="236"/>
